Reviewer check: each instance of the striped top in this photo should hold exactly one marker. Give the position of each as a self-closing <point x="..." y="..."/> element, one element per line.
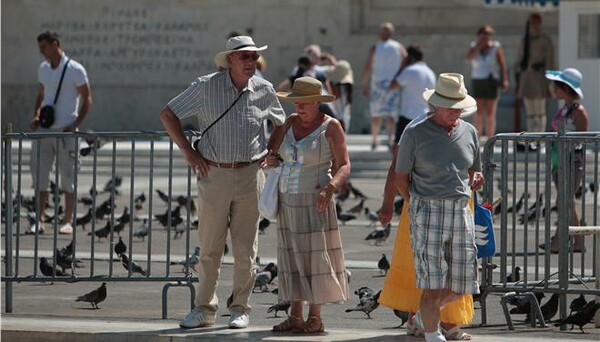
<point x="239" y="136"/>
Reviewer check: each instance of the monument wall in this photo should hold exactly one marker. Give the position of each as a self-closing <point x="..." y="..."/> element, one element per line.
<point x="140" y="54"/>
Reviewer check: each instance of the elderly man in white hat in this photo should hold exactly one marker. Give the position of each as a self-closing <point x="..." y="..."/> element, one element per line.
<point x="437" y="167"/>
<point x="231" y="107"/>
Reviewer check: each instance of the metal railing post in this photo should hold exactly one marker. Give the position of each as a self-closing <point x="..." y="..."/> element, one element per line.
<point x="8" y="288"/>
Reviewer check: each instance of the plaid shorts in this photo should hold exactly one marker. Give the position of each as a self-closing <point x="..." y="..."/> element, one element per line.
<point x="443" y="241"/>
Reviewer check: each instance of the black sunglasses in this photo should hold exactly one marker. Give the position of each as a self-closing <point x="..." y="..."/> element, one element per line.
<point x="246" y="56"/>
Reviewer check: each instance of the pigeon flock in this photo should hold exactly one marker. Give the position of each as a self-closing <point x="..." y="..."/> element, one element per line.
<point x="179" y="214"/>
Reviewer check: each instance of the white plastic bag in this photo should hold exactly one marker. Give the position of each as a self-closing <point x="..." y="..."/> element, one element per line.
<point x="267" y="203"/>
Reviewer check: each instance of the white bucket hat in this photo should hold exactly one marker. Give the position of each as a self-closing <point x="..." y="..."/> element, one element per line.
<point x="234" y="44"/>
<point x="569" y="76"/>
<point x="450" y="92"/>
<point x="341" y="73"/>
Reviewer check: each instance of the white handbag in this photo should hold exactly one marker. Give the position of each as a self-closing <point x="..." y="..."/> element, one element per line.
<point x="269" y="197"/>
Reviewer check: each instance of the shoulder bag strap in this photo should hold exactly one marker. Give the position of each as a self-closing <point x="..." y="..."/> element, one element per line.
<point x="195" y="144"/>
<point x="62" y="76"/>
<point x="222" y="115"/>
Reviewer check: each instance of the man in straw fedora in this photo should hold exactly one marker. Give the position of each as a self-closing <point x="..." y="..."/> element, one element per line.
<point x="437" y="167"/>
<point x="231" y="107"/>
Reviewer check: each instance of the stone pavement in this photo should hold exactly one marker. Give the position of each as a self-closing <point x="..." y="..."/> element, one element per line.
<point x="132" y="311"/>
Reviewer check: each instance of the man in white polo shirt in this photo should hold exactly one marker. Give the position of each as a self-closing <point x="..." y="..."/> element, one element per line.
<point x="68" y="116"/>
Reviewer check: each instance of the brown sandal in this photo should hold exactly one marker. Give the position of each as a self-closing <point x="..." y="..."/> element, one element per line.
<point x="312" y="325"/>
<point x="291" y="323"/>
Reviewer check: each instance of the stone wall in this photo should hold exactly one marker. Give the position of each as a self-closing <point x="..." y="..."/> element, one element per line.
<point x="139" y="54"/>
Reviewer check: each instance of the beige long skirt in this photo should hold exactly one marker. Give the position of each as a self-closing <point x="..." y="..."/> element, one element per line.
<point x="309" y="252"/>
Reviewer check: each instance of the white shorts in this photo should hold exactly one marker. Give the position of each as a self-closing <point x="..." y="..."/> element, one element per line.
<point x="63" y="149"/>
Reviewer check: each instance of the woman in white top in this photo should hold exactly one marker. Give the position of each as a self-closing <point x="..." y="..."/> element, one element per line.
<point x="488" y="73"/>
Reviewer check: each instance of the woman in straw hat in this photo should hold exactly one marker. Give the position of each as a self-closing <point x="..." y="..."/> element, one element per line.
<point x="315" y="163"/>
<point x="437" y="168"/>
<point x="571" y="117"/>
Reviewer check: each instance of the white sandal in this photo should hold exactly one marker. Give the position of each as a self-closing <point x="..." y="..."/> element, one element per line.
<point x="455" y="334"/>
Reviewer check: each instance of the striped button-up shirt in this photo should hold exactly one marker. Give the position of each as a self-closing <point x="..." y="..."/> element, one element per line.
<point x="239" y="135"/>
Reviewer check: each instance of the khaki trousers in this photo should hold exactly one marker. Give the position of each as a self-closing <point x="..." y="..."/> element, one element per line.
<point x="228" y="198"/>
<point x="536" y="114"/>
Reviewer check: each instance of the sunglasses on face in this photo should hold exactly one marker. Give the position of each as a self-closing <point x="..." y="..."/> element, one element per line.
<point x="248" y="56"/>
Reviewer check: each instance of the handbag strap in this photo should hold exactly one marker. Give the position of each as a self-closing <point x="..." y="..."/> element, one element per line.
<point x="62" y="76"/>
<point x="286" y="127"/>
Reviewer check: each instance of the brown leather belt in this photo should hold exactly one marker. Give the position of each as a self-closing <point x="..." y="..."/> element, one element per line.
<point x="234" y="165"/>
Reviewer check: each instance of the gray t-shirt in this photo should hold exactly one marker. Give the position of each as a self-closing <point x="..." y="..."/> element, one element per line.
<point x="438" y="162"/>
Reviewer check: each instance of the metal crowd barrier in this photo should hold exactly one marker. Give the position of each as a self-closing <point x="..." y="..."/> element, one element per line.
<point x="518" y="168"/>
<point x="130" y="155"/>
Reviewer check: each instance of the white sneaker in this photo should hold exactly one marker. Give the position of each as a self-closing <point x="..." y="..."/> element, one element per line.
<point x="239" y="319"/>
<point x="197" y="319"/>
<point x="66" y="229"/>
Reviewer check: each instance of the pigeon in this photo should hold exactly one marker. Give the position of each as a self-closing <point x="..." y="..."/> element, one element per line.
<point x="48" y="270"/>
<point x="96" y="296"/>
<point x="265" y="277"/>
<point x="140" y="199"/>
<point x="142" y="231"/>
<point x="262" y="225"/>
<point x="125" y="217"/>
<point x="93" y="145"/>
<point x="403" y="315"/>
<point x="163" y="196"/>
<point x="367" y="304"/>
<point x="86" y="201"/>
<point x="593" y="187"/>
<point x="105" y="208"/>
<point x="371" y="216"/>
<point x="533" y="211"/>
<point x="120" y="247"/>
<point x="523" y="306"/>
<point x="364" y="291"/>
<point x="65" y="261"/>
<point x="68" y="249"/>
<point x="519" y="204"/>
<point x="515" y="276"/>
<point x="103" y="232"/>
<point x="118" y="227"/>
<point x="280" y="306"/>
<point x="114" y="185"/>
<point x="93" y="192"/>
<point x="343" y="194"/>
<point x="383" y="265"/>
<point x="577" y="304"/>
<point x="261" y="281"/>
<point x="85" y="219"/>
<point x="183" y="201"/>
<point x="581" y="317"/>
<point x="357" y="208"/>
<point x="135" y="268"/>
<point x="271" y="268"/>
<point x="549" y="309"/>
<point x="190" y="262"/>
<point x="345" y="217"/>
<point x="355" y="192"/>
<point x="380" y="235"/>
<point x="175" y="215"/>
